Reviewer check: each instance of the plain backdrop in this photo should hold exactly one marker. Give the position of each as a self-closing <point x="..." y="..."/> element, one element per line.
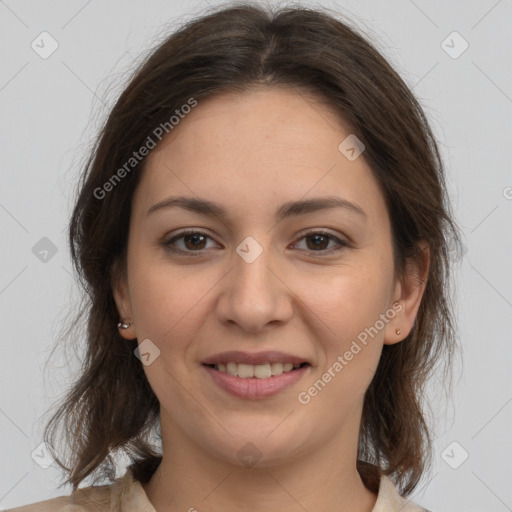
<point x="455" y="56"/>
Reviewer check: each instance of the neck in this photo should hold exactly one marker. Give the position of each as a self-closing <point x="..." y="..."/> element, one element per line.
<point x="189" y="479"/>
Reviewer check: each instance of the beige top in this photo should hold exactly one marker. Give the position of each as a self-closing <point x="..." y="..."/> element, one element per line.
<point x="126" y="494"/>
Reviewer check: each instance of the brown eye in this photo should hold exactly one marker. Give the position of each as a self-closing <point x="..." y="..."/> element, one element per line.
<point x="193" y="241"/>
<point x="196" y="241"/>
<point x="318" y="241"/>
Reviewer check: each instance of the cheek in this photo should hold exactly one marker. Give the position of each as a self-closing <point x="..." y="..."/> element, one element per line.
<point x="350" y="339"/>
<point x="353" y="310"/>
<point x="350" y="303"/>
<point x="169" y="304"/>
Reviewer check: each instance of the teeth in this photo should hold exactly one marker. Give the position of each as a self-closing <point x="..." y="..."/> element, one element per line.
<point x="231" y="368"/>
<point x="260" y="371"/>
<point x="277" y="368"/>
<point x="245" y="371"/>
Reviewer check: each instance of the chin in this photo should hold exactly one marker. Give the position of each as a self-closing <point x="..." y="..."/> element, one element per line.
<point x="260" y="446"/>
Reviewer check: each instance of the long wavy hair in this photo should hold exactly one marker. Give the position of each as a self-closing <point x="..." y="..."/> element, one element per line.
<point x="110" y="408"/>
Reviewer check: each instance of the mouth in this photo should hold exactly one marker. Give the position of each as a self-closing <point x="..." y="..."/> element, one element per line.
<point x="255" y="375"/>
<point x="258" y="371"/>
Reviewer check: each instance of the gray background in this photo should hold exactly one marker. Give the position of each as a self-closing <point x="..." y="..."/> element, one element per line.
<point x="51" y="108"/>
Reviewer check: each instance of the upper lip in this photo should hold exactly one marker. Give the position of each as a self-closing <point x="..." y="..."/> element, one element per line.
<point x="270" y="356"/>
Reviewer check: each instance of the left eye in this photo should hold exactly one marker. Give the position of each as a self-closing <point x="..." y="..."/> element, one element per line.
<point x="320" y="241"/>
<point x="194" y="242"/>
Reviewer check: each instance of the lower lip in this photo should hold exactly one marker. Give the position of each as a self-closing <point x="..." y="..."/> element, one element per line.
<point x="255" y="388"/>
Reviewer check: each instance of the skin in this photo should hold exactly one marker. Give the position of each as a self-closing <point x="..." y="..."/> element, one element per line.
<point x="251" y="153"/>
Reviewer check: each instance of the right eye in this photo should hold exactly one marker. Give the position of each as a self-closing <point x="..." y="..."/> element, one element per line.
<point x="193" y="242"/>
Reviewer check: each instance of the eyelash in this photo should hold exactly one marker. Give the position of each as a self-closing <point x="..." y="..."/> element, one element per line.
<point x="168" y="243"/>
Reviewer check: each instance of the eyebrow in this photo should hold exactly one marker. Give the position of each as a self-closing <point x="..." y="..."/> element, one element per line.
<point x="290" y="209"/>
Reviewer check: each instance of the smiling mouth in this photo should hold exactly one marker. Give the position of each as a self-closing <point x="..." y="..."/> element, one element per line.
<point x="259" y="371"/>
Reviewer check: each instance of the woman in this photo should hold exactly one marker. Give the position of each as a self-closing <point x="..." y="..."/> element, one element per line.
<point x="263" y="231"/>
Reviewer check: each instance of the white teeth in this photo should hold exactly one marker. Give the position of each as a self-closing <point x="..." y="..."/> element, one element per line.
<point x="260" y="371"/>
<point x="231" y="368"/>
<point x="276" y="368"/>
<point x="245" y="371"/>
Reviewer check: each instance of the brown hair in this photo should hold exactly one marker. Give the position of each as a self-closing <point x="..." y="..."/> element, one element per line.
<point x="111" y="406"/>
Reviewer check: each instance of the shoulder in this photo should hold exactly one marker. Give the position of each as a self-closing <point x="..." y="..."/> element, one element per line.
<point x="389" y="500"/>
<point x="88" y="499"/>
<point x="60" y="504"/>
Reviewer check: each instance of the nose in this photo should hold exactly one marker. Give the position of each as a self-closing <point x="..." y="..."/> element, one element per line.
<point x="255" y="294"/>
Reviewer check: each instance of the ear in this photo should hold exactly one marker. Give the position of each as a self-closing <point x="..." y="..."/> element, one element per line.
<point x="407" y="297"/>
<point x="121" y="293"/>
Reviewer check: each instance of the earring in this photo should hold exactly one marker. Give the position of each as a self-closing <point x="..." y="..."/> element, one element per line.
<point x="122" y="325"/>
<point x="397" y="331"/>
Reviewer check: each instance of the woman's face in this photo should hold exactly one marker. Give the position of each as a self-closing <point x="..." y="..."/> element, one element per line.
<point x="264" y="276"/>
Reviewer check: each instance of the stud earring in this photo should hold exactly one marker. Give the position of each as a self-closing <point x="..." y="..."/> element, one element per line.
<point x="397" y="331"/>
<point x="122" y="325"/>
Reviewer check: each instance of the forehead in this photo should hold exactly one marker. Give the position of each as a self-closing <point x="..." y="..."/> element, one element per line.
<point x="260" y="148"/>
